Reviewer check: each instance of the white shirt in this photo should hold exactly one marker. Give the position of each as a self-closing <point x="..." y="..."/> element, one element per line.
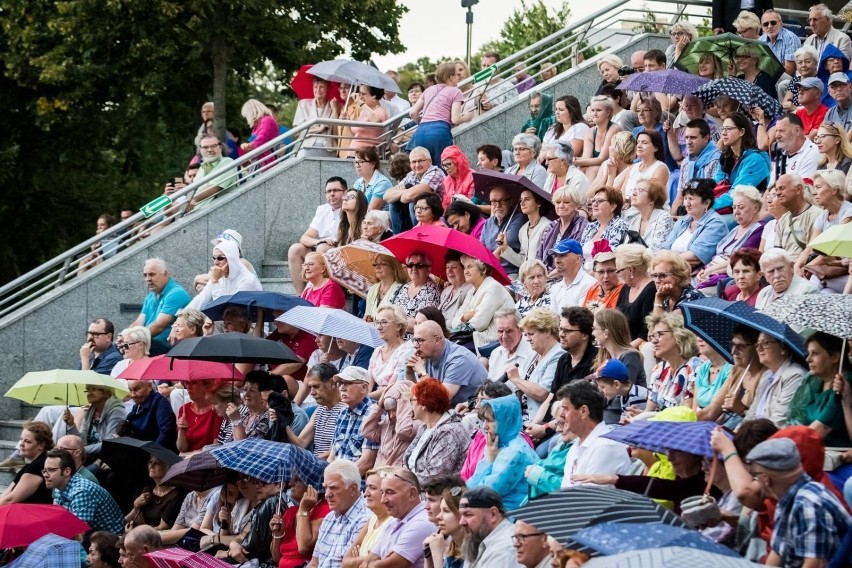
<point x="564" y="295"/>
<point x="595" y="455"/>
<point x="804" y="162"/>
<point x="496" y="549"/>
<point x="395" y="106"/>
<point x="326" y="221"/>
<point x="500" y="358"/>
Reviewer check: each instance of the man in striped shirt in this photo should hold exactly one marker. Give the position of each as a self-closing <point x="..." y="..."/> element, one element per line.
<point x="319" y="431"/>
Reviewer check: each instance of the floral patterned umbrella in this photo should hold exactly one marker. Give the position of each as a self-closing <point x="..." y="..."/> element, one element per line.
<point x="668" y="81"/>
<point x="747" y="94"/>
<point x="828" y="313"/>
<point x="351" y="266"/>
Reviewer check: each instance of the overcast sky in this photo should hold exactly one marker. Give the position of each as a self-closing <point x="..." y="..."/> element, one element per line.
<point x="435" y="28"/>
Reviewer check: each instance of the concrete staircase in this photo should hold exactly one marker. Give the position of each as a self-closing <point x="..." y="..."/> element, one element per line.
<point x="275" y="276"/>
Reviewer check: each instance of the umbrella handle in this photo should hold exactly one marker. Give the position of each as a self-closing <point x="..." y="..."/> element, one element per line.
<point x="712" y="475"/>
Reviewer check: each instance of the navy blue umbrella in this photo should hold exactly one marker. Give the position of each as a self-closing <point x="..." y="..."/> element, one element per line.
<point x="251" y="300"/>
<point x="614" y="538"/>
<point x="714" y="320"/>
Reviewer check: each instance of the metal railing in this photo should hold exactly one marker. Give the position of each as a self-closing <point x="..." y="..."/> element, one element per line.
<point x="608" y="27"/>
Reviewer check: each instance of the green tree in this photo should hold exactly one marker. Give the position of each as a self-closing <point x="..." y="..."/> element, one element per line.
<point x="417" y="71"/>
<point x="101" y="99"/>
<point x="527" y="25"/>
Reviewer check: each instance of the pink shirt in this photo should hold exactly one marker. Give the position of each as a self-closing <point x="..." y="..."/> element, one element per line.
<point x="438" y="103"/>
<point x="367" y="136"/>
<point x="329" y="295"/>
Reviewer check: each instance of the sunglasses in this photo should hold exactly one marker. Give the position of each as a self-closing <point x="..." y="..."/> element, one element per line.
<point x="417" y="265"/>
<point x="219" y="258"/>
<point x="770" y="23"/>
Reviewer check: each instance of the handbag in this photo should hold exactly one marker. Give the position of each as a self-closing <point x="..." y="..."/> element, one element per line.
<point x="191" y="540"/>
<point x="702" y="510"/>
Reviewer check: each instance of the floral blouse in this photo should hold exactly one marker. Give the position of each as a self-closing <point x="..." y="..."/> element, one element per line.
<point x="525" y="304"/>
<point x="669" y="388"/>
<point x="615" y="232"/>
<point x="429" y="295"/>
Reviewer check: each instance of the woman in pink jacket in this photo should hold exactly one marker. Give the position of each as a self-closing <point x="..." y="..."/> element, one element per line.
<point x="459" y="180"/>
<point x="264" y="128"/>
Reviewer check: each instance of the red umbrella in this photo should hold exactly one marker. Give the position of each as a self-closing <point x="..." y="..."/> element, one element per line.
<point x="21" y="524"/>
<point x="167" y="557"/>
<point x="162" y="368"/>
<point x="303" y="85"/>
<point x="435" y="241"/>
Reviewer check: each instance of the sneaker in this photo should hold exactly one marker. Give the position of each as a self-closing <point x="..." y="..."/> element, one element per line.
<point x="12" y="464"/>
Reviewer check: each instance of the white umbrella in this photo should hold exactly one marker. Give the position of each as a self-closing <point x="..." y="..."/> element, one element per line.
<point x="353" y="73"/>
<point x="334" y="323"/>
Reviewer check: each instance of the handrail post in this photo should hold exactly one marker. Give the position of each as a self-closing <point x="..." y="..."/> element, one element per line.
<point x="63" y="273"/>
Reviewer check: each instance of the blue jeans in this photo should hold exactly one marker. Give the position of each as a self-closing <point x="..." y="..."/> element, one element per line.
<point x="434" y="136"/>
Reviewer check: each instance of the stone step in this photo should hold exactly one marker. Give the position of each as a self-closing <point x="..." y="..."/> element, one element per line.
<point x="274" y="269"/>
<point x="283" y="285"/>
<point x="10" y="430"/>
<point x="6" y="448"/>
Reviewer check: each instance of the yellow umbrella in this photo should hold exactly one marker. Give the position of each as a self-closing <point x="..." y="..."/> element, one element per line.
<point x="61" y="386"/>
<point x="834" y="241"/>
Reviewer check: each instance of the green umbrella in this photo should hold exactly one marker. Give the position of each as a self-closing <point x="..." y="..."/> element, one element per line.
<point x="725" y="46"/>
<point x="834" y="241"/>
<point x="61" y="386"/>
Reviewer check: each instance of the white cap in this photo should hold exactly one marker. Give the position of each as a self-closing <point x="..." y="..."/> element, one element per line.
<point x="228" y="235"/>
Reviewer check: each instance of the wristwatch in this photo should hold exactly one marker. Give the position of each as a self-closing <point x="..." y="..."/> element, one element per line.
<point x="235" y="423"/>
<point x="303" y="514"/>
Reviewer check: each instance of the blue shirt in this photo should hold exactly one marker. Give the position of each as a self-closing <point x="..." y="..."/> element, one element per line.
<point x="349" y="442"/>
<point x="154" y="420"/>
<point x="169" y="301"/>
<point x="708" y="232"/>
<point x="337" y="533"/>
<point x="785" y="45"/>
<point x="91" y="503"/>
<point x="104" y="362"/>
<point x="377" y="187"/>
<point x="457" y="366"/>
<point x="492" y="228"/>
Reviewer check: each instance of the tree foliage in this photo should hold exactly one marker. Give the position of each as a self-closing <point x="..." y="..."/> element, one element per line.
<point x="101" y="98"/>
<point x="527" y="25"/>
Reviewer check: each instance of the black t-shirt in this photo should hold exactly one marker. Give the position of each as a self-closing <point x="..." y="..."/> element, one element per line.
<point x="638" y="310"/>
<point x="42" y="495"/>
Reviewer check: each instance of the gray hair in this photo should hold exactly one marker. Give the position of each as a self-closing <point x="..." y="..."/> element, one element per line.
<point x="566" y="193"/>
<point x="483" y="268"/>
<point x="835" y="179"/>
<point x="562" y="151"/>
<point x="380" y="218"/>
<point x="527" y="266"/>
<point x="610" y="59"/>
<point x="159" y="263"/>
<point x="421" y="151"/>
<point x="347" y="471"/>
<point x="684" y="26"/>
<point x="826" y="11"/>
<point x="774" y="255"/>
<point x="138" y="333"/>
<point x="529" y="140"/>
<point x="748" y="192"/>
<point x="145" y="535"/>
<point x="807" y="50"/>
<point x="508" y="312"/>
<point x="193" y="318"/>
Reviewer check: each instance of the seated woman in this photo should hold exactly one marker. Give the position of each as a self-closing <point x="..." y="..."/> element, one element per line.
<point x="834" y="147"/>
<point x="387" y="359"/>
<point x="378" y="521"/>
<point x="457" y="289"/>
<point x="256" y="422"/>
<point x="561" y="171"/>
<point x="459" y="180"/>
<point x="227" y="402"/>
<point x="748" y="276"/>
<point x="391" y="424"/>
<point x="570" y="126"/>
<point x="608" y="225"/>
<point x="653" y="222"/>
<point x="477" y="311"/>
<point x="622" y="154"/>
<point x="420" y="291"/>
<point x="710" y="376"/>
<point x="537" y="209"/>
<point x="465" y="217"/>
<point x="747" y="233"/>
<point x="229" y="512"/>
<point x="28" y="486"/>
<point x="445" y="545"/>
<point x="391" y="276"/>
<point x="159" y="504"/>
<point x="376" y="226"/>
<point x="98" y="421"/>
<point x="541" y="115"/>
<point x="295" y="533"/>
<point x="371" y="180"/>
<point x="816" y="403"/>
<point x="676" y="349"/>
<point x="696" y="234"/>
<point x="636" y="300"/>
<point x="748" y="61"/>
<point x="525" y="149"/>
<point x="228" y="275"/>
<point x="441" y="443"/>
<point x="189" y="517"/>
<point x="532" y="380"/>
<point x="428" y="210"/>
<point x="741" y="163"/>
<point x="353" y="210"/>
<point x="650" y="165"/>
<point x="671" y="275"/>
<point x="533" y="276"/>
<point x="320" y="290"/>
<point x="599" y="138"/>
<point x="103" y="550"/>
<point x="569" y="224"/>
<point x="772" y="395"/>
<point x="507" y="455"/>
<point x="197" y="422"/>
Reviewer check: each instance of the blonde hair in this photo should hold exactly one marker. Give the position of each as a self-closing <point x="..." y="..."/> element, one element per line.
<point x="625" y="146"/>
<point x="445" y="71"/>
<point x="686" y="341"/>
<point x="634" y="255"/>
<point x="718" y="70"/>
<point x="835" y="179"/>
<point x="843" y="143"/>
<point x="684" y="26"/>
<point x="253" y="110"/>
<point x="749" y="192"/>
<point x="607" y="102"/>
<point x="610" y="59"/>
<point x="678" y="266"/>
<point x="527" y="266"/>
<point x="541" y="319"/>
<point x="748" y="20"/>
<point x="397" y="316"/>
<point x="566" y="193"/>
<point x="320" y="260"/>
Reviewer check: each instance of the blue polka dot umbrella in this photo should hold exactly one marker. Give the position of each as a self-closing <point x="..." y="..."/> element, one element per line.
<point x="748" y="95"/>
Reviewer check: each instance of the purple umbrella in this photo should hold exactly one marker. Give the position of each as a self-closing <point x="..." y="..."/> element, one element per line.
<point x="668" y="81"/>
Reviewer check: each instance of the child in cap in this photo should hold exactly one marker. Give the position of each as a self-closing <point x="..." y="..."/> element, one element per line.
<point x="614" y="381"/>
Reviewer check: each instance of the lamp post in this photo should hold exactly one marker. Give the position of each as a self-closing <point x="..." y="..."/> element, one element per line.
<point x="469" y="21"/>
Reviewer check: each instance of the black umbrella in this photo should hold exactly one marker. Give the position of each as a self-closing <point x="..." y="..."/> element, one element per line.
<point x="198" y="472"/>
<point x="748" y="95"/>
<point x="563" y="513"/>
<point x="233" y="347"/>
<point x="130" y="454"/>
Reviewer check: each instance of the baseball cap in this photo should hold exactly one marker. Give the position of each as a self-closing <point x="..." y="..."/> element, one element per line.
<point x="838" y="77"/>
<point x="566" y="246"/>
<point x="353" y="374"/>
<point x="778" y="454"/>
<point x="811" y="83"/>
<point x="228" y="235"/>
<point x="482" y="498"/>
<point x="615" y="370"/>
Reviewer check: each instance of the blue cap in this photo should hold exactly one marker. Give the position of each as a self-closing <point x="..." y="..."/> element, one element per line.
<point x="812" y="83"/>
<point x="567" y="245"/>
<point x="615" y="370"/>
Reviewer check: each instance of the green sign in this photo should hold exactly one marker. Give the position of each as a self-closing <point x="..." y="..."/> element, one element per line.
<point x="153" y="207"/>
<point x="485" y="74"/>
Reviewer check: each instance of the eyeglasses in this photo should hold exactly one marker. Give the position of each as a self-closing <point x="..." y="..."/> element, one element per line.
<point x="208" y="148"/>
<point x="421" y="209"/>
<point x="607" y="271"/>
<point x="566" y="330"/>
<point x="447" y="165"/>
<point x="743" y="56"/>
<point x="739" y="346"/>
<point x="620" y="270"/>
<point x="821" y="137"/>
<point x="389" y="474"/>
<point x="350" y="197"/>
<point x="770" y="23"/>
<point x="49" y="470"/>
<point x="598" y="201"/>
<point x="96" y="333"/>
<point x="764" y="343"/>
<point x="126" y="345"/>
<point x="657" y="336"/>
<point x="359" y="162"/>
<point x="518" y="149"/>
<point x="500" y="201"/>
<point x="219" y="258"/>
<point x="417" y="266"/>
<point x="419" y="340"/>
<point x="659" y="275"/>
<point x="415" y="162"/>
<point x="381" y="323"/>
<point x="522" y="538"/>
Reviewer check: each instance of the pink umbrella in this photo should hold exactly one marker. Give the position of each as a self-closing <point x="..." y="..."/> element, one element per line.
<point x="162" y="368"/>
<point x="435" y="241"/>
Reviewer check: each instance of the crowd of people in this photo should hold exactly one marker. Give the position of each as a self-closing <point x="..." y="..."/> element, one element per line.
<point x="481" y="396"/>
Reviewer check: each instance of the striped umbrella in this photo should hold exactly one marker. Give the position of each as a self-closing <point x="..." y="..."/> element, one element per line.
<point x="334" y="323"/>
<point x="203" y="560"/>
<point x="167" y="557"/>
<point x="563" y="513"/>
<point x="670" y="557"/>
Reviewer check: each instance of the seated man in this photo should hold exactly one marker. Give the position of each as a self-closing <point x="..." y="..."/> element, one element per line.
<point x="137" y="543"/>
<point x="401" y="544"/>
<point x="455" y="366"/>
<point x="151" y="417"/>
<point x="212" y="163"/>
<point x="504" y="225"/>
<point x="798" y="154"/>
<point x="349" y="442"/>
<point x="321" y="233"/>
<point x="99" y="353"/>
<point x="514" y="347"/>
<point x="318" y="434"/>
<point x="424" y="177"/>
<point x="74" y="446"/>
<point x="487" y="530"/>
<point x="159" y="310"/>
<point x="354" y="354"/>
<point x="342" y="483"/>
<point x="777" y="267"/>
<point x="794" y="229"/>
<point x="87" y="500"/>
<point x="821" y="23"/>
